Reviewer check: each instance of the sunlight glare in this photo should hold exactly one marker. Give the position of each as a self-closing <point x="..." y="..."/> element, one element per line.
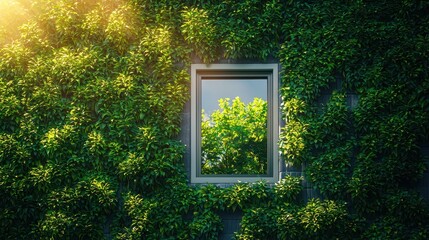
<point x="12" y="15"/>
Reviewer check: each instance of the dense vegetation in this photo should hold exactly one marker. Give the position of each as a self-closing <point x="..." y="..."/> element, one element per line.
<point x="234" y="138"/>
<point x="91" y="93"/>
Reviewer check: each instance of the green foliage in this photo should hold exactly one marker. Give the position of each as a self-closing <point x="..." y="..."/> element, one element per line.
<point x="330" y="169"/>
<point x="258" y="223"/>
<point x="200" y="31"/>
<point x="234" y="138"/>
<point x="123" y="27"/>
<point x="91" y="96"/>
<point x="187" y="217"/>
<point x="242" y="196"/>
<point x="357" y="152"/>
<point x="78" y="212"/>
<point x="317" y="42"/>
<point x="205" y="225"/>
<point x="249" y="29"/>
<point x="404" y="216"/>
<point x="316" y="220"/>
<point x="287" y="189"/>
<point x="149" y="172"/>
<point x="322" y="219"/>
<point x="82" y="82"/>
<point x="292" y="144"/>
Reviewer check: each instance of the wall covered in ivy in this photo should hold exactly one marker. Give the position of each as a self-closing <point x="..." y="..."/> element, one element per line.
<point x="92" y="92"/>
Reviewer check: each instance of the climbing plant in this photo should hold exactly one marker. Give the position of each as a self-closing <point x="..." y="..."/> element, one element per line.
<point x="91" y="96"/>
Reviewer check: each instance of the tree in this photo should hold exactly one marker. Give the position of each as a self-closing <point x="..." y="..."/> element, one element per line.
<point x="234" y="138"/>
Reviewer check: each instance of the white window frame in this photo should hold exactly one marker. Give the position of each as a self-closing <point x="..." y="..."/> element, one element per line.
<point x="271" y="71"/>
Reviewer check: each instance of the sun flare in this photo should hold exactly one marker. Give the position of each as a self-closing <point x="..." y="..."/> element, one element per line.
<point x="12" y="15"/>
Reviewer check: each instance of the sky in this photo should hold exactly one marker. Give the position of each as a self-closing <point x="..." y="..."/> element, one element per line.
<point x="246" y="89"/>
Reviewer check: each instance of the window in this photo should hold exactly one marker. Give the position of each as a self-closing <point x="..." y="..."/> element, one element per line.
<point x="234" y="123"/>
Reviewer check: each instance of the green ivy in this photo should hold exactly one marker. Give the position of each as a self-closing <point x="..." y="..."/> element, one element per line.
<point x="92" y="94"/>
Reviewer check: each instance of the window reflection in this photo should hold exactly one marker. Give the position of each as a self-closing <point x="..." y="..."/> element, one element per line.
<point x="234" y="126"/>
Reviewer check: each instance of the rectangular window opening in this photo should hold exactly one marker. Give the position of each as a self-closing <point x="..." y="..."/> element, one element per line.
<point x="235" y="122"/>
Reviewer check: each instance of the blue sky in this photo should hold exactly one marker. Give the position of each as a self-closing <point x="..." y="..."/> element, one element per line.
<point x="246" y="89"/>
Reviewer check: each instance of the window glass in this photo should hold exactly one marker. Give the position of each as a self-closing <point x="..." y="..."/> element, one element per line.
<point x="234" y="126"/>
